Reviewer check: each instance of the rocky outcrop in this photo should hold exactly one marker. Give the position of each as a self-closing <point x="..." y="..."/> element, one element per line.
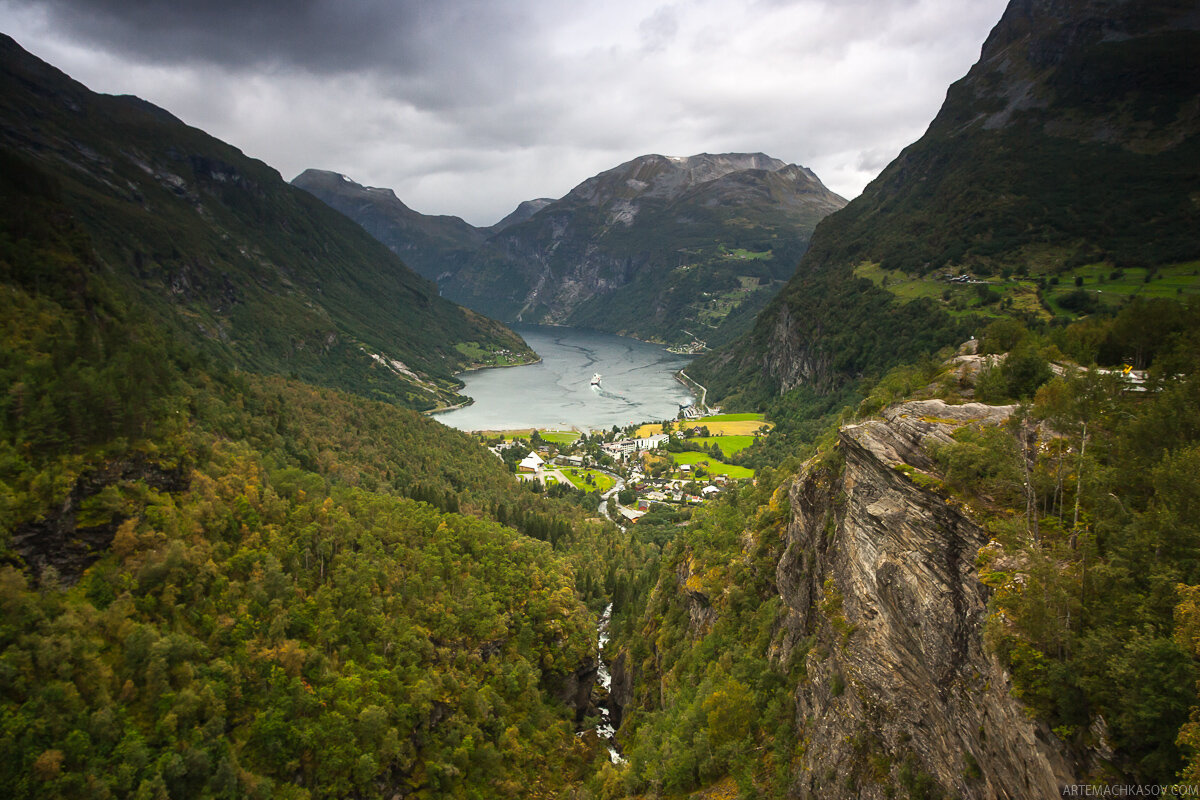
<point x="67" y="539"/>
<point x="574" y="689"/>
<point x="796" y="359"/>
<point x="621" y="688"/>
<point x="879" y="580"/>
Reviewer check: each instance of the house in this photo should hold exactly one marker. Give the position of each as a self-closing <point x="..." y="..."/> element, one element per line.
<point x="531" y="463"/>
<point x="709" y="491"/>
<point x="571" y="461"/>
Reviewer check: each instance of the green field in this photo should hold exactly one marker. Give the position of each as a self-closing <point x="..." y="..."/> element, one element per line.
<point x="728" y="444"/>
<point x="1109" y="286"/>
<point x="485" y="357"/>
<point x="554" y="437"/>
<point x="559" y="437"/>
<point x="730" y="418"/>
<point x="744" y="254"/>
<point x="1112" y="287"/>
<point x="712" y="465"/>
<point x="576" y="475"/>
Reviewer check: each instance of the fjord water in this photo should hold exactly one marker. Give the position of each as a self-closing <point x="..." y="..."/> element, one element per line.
<point x="638" y="384"/>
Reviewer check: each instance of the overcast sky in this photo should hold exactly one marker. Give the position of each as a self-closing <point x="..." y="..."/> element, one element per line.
<point x="467" y="107"/>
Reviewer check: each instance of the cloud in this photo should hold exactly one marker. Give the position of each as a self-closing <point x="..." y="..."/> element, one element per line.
<point x="468" y="106"/>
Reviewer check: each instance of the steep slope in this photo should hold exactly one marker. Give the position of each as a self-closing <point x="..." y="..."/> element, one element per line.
<point x="215" y="583"/>
<point x="1073" y="141"/>
<point x="524" y="210"/>
<point x="836" y="630"/>
<point x="433" y="246"/>
<point x="880" y="572"/>
<point x="663" y="248"/>
<point x="222" y="251"/>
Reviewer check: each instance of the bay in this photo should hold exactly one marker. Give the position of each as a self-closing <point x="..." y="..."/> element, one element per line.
<point x="637" y="384"/>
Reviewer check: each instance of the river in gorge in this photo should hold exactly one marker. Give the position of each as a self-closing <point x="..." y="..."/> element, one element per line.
<point x="637" y="384"/>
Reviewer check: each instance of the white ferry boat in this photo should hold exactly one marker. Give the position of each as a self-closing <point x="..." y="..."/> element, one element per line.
<point x="596" y="379"/>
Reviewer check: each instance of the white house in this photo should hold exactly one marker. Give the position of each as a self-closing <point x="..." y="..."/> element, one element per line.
<point x="531" y="463"/>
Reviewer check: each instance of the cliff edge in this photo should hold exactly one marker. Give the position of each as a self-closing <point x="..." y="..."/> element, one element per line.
<point x="880" y="585"/>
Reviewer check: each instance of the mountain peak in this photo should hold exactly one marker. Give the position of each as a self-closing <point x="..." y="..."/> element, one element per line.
<point x="656" y="177"/>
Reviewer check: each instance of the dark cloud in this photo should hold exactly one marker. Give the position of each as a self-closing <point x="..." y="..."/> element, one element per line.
<point x="470" y="106"/>
<point x="316" y="35"/>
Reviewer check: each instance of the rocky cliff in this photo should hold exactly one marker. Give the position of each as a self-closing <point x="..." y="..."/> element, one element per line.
<point x="847" y="616"/>
<point x="879" y="571"/>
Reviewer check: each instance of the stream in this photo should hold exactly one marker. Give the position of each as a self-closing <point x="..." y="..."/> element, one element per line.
<point x="604" y="728"/>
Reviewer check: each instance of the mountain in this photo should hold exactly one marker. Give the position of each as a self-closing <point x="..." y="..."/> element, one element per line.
<point x="669" y="249"/>
<point x="1067" y="157"/>
<point x="524" y="210"/>
<point x="263" y="586"/>
<point x="224" y="253"/>
<point x="431" y="245"/>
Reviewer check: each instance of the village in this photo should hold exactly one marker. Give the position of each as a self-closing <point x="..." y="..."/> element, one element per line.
<point x="643" y="468"/>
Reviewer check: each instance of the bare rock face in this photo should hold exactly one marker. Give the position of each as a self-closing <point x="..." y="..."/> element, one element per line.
<point x="574" y="689"/>
<point x="879" y="579"/>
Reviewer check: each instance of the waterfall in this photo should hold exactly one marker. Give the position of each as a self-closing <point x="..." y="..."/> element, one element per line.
<point x="604" y="728"/>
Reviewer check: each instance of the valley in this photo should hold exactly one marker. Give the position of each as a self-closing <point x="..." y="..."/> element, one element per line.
<point x="714" y="485"/>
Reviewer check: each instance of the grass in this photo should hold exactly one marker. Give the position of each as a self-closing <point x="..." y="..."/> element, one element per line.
<point x="555" y="437"/>
<point x="745" y="254"/>
<point x="559" y="437"/>
<point x="577" y="475"/>
<point x="728" y="444"/>
<point x="904" y="286"/>
<point x="1172" y="281"/>
<point x="1020" y="293"/>
<point x="480" y="355"/>
<point x="713" y="466"/>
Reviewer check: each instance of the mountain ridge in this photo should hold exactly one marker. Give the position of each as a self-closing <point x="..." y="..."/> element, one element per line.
<point x="1071" y="143"/>
<point x="619" y="244"/>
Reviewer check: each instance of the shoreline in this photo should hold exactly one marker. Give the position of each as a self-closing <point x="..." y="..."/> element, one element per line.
<point x="441" y="409"/>
<point x="471" y="400"/>
<point x="483" y="367"/>
<point x="687" y="381"/>
<point x="551" y="338"/>
<point x="661" y="344"/>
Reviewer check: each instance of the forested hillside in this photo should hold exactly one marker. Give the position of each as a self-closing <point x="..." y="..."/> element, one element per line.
<point x="220" y="251"/>
<point x="839" y="634"/>
<point x="1058" y="179"/>
<point x="220" y="583"/>
<point x="233" y="564"/>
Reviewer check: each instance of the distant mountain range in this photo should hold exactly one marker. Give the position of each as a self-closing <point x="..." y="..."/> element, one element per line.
<point x="668" y="249"/>
<point x="221" y="251"/>
<point x="1073" y="143"/>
